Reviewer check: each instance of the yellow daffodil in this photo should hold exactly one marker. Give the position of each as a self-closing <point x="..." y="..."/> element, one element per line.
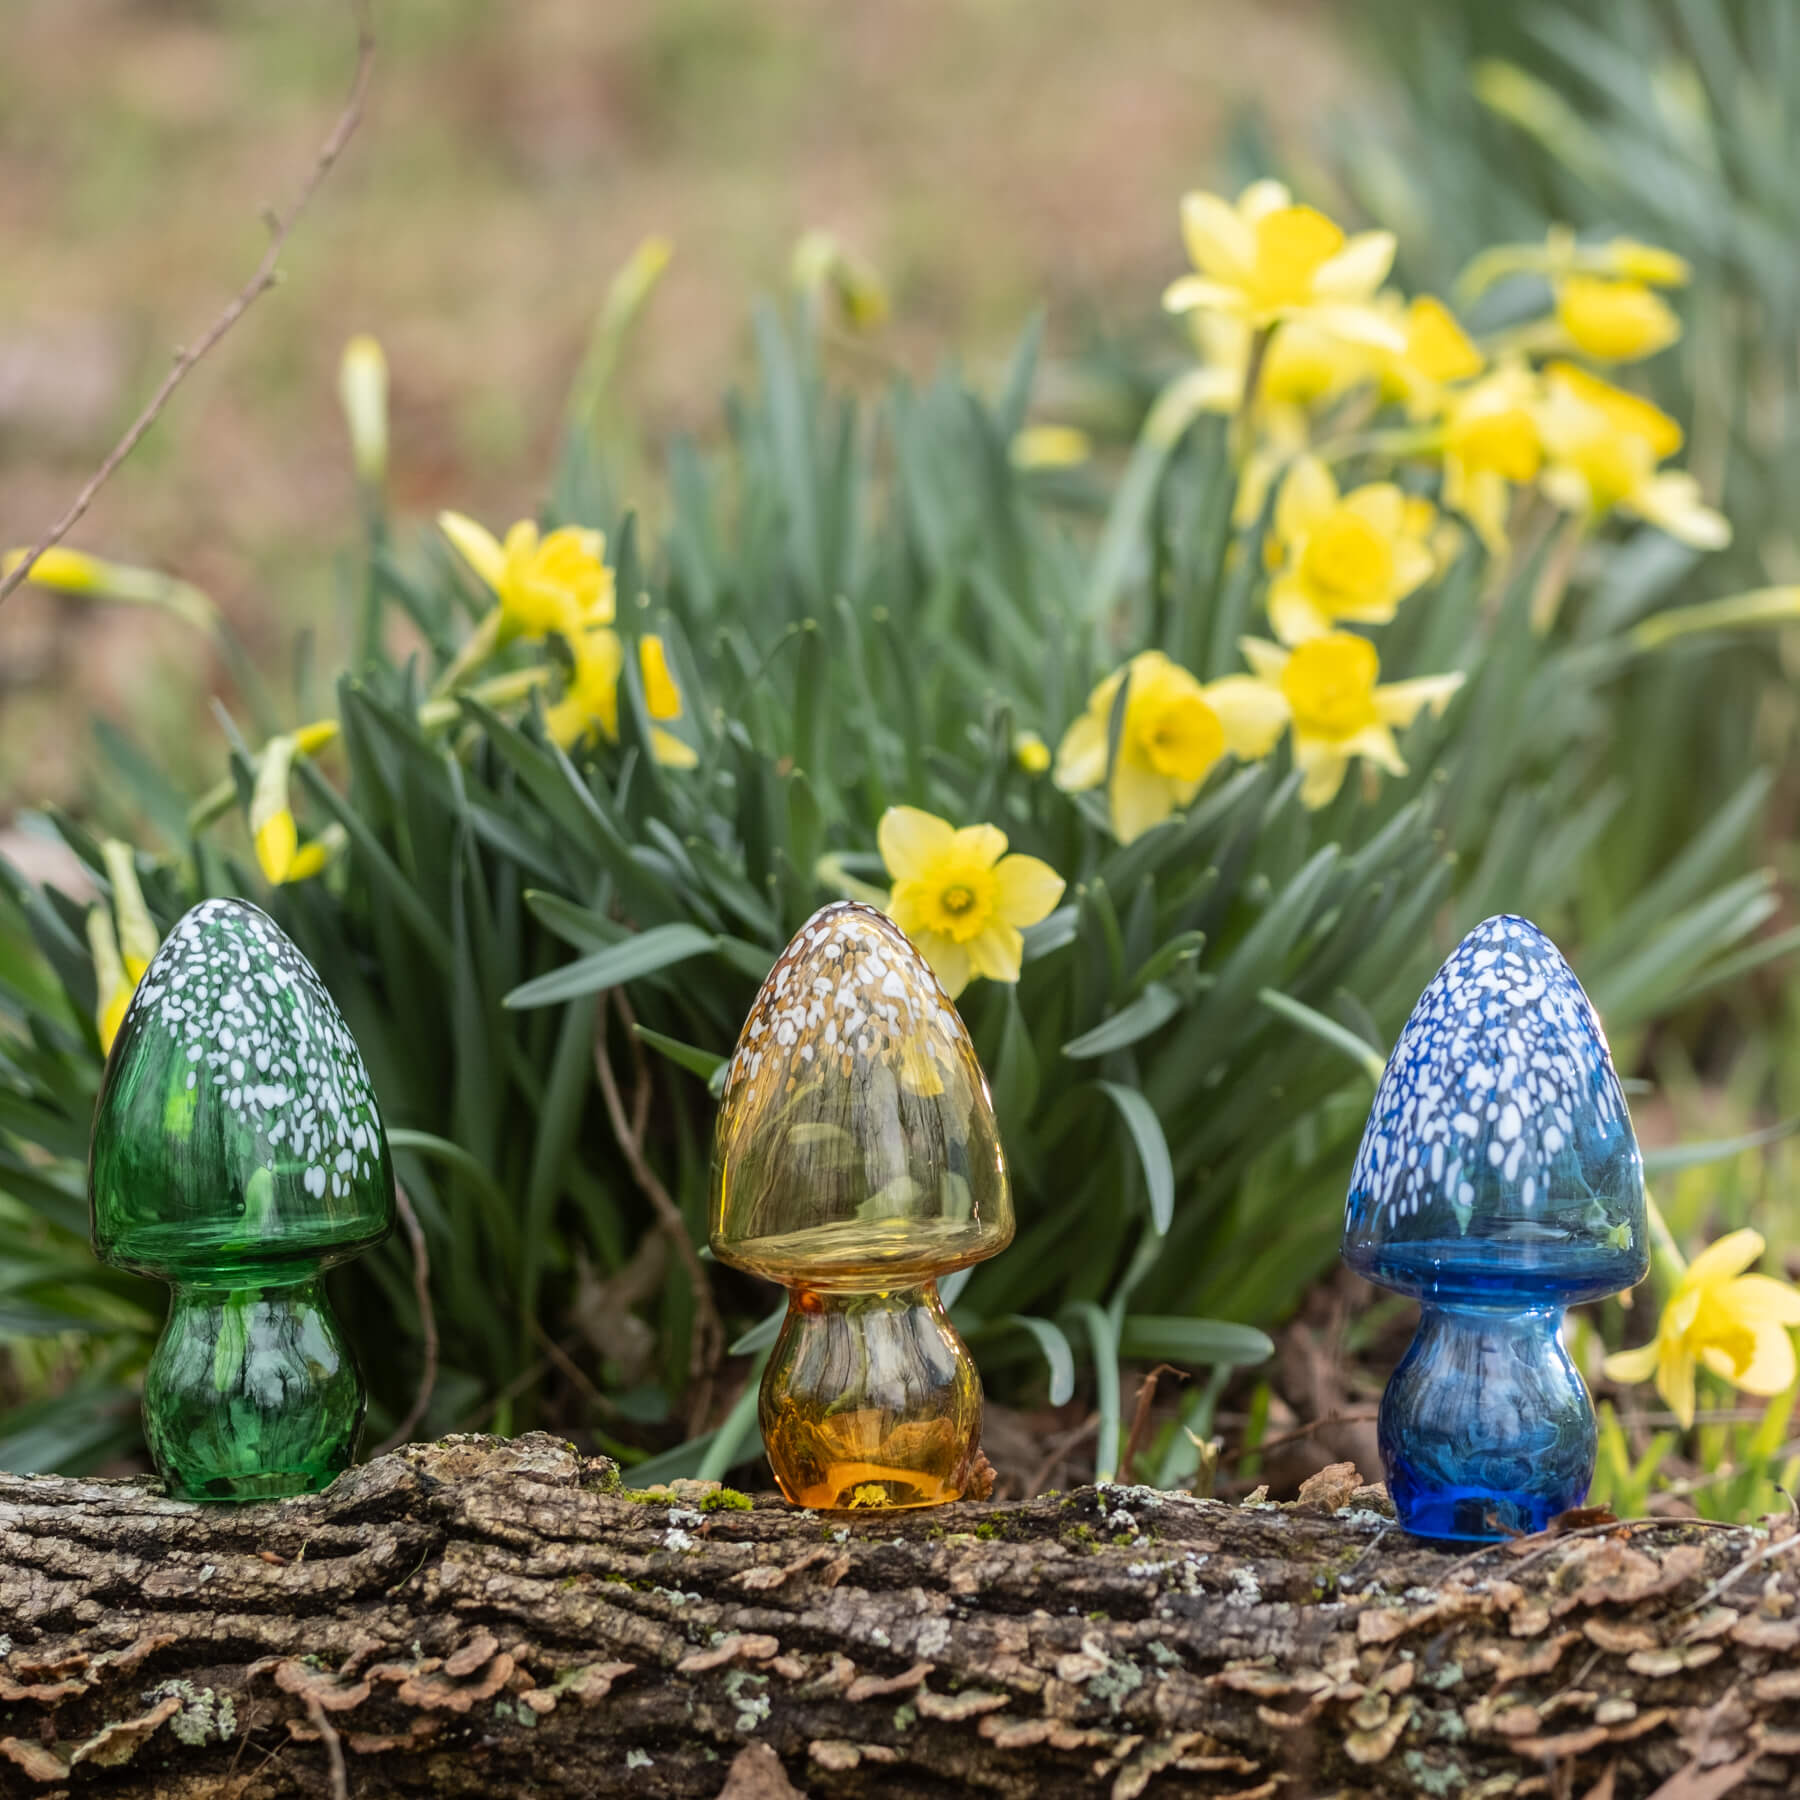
<point x="1735" y="1324"/>
<point x="1266" y="260"/>
<point x="1354" y="556"/>
<point x="1030" y="752"/>
<point x="120" y="956"/>
<point x="1490" y="439"/>
<point x="1437" y="352"/>
<point x="363" y="394"/>
<point x="590" y="701"/>
<point x="960" y="898"/>
<point x="1329" y="686"/>
<point x="1050" y="447"/>
<point x="1614" y="321"/>
<point x="1175" y="732"/>
<point x="1602" y="446"/>
<point x="558" y="582"/>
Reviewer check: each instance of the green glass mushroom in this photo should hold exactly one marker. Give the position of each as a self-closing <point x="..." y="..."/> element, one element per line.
<point x="238" y="1153"/>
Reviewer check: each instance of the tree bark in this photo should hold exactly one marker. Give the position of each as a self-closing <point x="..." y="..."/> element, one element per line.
<point x="494" y="1618"/>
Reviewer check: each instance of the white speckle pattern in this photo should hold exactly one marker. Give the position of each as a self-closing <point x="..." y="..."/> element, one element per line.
<point x="1500" y="1097"/>
<point x="259" y="1026"/>
<point x="860" y="1007"/>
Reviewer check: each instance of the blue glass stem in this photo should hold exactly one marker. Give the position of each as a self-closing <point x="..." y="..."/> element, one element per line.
<point x="1486" y="1427"/>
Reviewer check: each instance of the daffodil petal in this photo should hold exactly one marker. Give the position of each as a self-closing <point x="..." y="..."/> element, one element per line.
<point x="669" y="750"/>
<point x="996" y="953"/>
<point x="909" y="837"/>
<point x="986" y="843"/>
<point x="1293" y="612"/>
<point x="1140" y="798"/>
<point x="1263" y="197"/>
<point x="1400" y="702"/>
<point x="1190" y="291"/>
<point x="1381" y="504"/>
<point x="1308" y="493"/>
<point x="1025" y="889"/>
<point x="1219" y="240"/>
<point x="1356" y="324"/>
<point x="1322" y="766"/>
<point x="1375" y="743"/>
<point x="1772" y="1367"/>
<point x="1762" y="1300"/>
<point x="1671" y="502"/>
<point x="1081" y="756"/>
<point x="1632" y="1365"/>
<point x="1358" y="269"/>
<point x="1268" y="660"/>
<point x="1675" y="1382"/>
<point x="1414" y="565"/>
<point x="476" y="545"/>
<point x="1253" y="714"/>
<point x="949" y="960"/>
<point x="1731" y="1255"/>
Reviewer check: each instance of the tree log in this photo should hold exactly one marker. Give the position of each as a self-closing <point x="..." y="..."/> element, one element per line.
<point x="498" y="1618"/>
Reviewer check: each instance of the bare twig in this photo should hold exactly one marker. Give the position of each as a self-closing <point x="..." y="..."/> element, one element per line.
<point x="484" y="1413"/>
<point x="1060" y="1446"/>
<point x="1140" y="1417"/>
<point x="574" y="1371"/>
<point x="264" y="277"/>
<point x="1357" y="1416"/>
<point x="707" y="1343"/>
<point x="402" y="1433"/>
<point x="334" y="1747"/>
<point x="1777" y="1547"/>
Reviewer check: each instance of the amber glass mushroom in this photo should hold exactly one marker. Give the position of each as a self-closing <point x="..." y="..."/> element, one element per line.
<point x="857" y="1161"/>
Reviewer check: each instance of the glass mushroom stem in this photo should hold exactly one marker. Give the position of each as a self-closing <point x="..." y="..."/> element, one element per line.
<point x="1486" y="1429"/>
<point x="870" y="1399"/>
<point x="856" y="1161"/>
<point x="251" y="1393"/>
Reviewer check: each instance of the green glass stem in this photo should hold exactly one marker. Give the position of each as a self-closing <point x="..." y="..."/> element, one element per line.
<point x="251" y="1392"/>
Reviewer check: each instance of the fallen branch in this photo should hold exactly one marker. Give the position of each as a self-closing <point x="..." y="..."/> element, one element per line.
<point x="480" y="1616"/>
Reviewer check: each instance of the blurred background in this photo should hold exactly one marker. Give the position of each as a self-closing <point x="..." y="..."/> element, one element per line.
<point x="983" y="155"/>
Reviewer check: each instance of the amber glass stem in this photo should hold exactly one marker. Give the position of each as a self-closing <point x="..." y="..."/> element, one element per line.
<point x="870" y="1400"/>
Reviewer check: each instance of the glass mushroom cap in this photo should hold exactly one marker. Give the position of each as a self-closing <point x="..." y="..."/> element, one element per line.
<point x="236" y="1133"/>
<point x="856" y="1145"/>
<point x="1499" y="1159"/>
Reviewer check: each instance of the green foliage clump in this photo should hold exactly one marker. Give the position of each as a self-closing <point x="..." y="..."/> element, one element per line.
<point x="856" y="602"/>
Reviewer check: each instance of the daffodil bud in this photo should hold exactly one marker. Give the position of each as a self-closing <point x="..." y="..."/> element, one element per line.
<point x="363" y="392"/>
<point x="1051" y="447"/>
<point x="272" y="826"/>
<point x="138" y="938"/>
<point x="821" y="264"/>
<point x="74" y="572"/>
<point x="111" y="986"/>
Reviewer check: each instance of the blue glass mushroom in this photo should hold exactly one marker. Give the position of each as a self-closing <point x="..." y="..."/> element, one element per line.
<point x="1498" y="1182"/>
